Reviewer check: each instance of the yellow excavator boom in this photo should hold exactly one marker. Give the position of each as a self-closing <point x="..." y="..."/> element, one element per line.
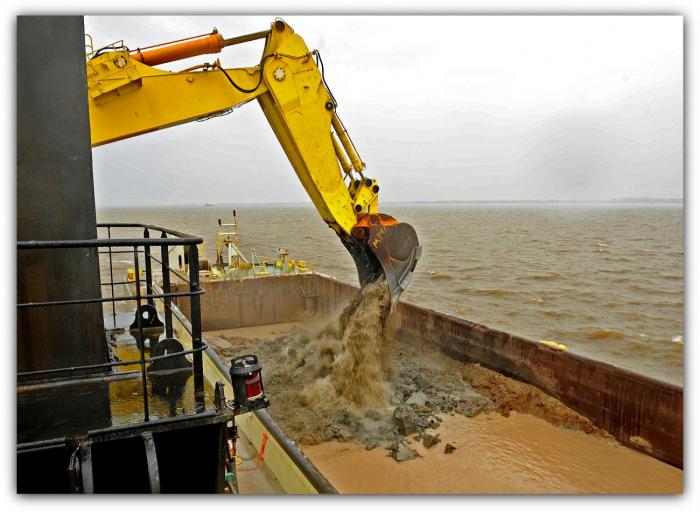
<point x="128" y="97"/>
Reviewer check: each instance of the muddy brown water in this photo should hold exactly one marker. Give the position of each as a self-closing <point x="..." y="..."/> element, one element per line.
<point x="495" y="454"/>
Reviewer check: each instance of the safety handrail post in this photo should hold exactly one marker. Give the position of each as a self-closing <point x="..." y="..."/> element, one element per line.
<point x="165" y="270"/>
<point x="147" y="263"/>
<point x="111" y="277"/>
<point x="142" y="356"/>
<point x="196" y="321"/>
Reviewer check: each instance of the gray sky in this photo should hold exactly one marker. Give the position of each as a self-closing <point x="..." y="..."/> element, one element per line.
<point x="440" y="108"/>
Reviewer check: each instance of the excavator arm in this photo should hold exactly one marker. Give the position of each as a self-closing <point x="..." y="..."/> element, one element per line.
<point x="129" y="97"/>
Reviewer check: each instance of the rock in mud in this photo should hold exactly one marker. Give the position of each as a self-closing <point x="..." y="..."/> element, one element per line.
<point x="422" y="423"/>
<point x="341" y="434"/>
<point x="430" y="440"/>
<point x="405" y="420"/>
<point x="345" y="434"/>
<point x="448" y="404"/>
<point x="471" y="406"/>
<point x="449" y="448"/>
<point x="400" y="451"/>
<point x="417" y="398"/>
<point x="420" y="381"/>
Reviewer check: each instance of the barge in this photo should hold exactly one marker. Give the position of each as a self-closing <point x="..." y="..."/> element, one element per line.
<point x="643" y="416"/>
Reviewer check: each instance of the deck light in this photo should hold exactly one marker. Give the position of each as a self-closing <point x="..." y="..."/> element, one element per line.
<point x="246" y="377"/>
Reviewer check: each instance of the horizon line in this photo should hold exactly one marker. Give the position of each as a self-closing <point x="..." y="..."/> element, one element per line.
<point x="623" y="200"/>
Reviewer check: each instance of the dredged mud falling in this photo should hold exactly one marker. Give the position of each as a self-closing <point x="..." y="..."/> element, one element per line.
<point x="330" y="382"/>
<point x="345" y="363"/>
<point x="358" y="371"/>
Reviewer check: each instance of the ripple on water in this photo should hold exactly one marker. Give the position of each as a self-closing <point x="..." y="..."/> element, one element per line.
<point x="540" y="277"/>
<point x="434" y="276"/>
<point x="669" y="277"/>
<point x="487" y="292"/>
<point x="553" y="313"/>
<point x="605" y="334"/>
<point x="654" y="291"/>
<point x="613" y="270"/>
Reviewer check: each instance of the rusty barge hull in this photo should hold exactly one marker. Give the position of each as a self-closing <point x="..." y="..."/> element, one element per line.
<point x="627" y="405"/>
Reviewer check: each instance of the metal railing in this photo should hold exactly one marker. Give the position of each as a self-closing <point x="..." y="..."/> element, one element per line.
<point x="167" y="238"/>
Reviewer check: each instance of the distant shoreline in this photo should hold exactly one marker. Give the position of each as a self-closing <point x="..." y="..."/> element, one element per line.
<point x="621" y="201"/>
<point x="630" y="200"/>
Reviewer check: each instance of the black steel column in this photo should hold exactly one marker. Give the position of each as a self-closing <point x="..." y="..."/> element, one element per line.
<point x="196" y="321"/>
<point x="165" y="265"/>
<point x="147" y="263"/>
<point x="141" y="338"/>
<point x="55" y="197"/>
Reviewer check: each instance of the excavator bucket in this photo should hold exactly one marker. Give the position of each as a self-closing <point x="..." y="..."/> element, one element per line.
<point x="381" y="245"/>
<point x="397" y="250"/>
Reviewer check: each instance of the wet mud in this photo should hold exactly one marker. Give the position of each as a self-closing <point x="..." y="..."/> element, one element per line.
<point x="508" y="395"/>
<point x="351" y="380"/>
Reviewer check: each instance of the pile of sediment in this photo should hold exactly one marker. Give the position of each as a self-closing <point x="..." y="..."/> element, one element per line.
<point x="351" y="380"/>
